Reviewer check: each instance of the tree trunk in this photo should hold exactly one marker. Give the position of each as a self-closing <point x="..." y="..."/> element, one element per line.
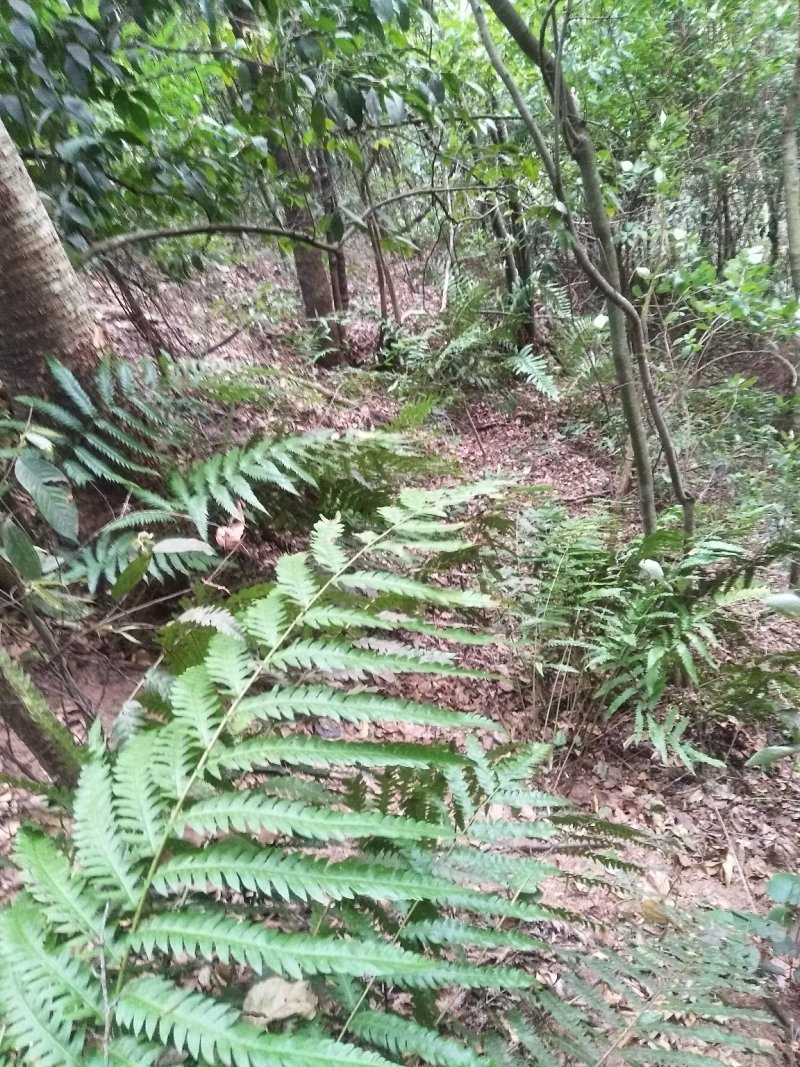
<point x="791" y="194"/>
<point x="337" y="264"/>
<point x="312" y="276"/>
<point x="24" y="710"/>
<point x="312" y="273"/>
<point x="791" y="176"/>
<point x="43" y="307"/>
<point x="578" y="142"/>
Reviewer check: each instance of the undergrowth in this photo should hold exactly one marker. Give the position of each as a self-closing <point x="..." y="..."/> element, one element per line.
<point x="219" y="839"/>
<point x="611" y="625"/>
<point x="134" y="436"/>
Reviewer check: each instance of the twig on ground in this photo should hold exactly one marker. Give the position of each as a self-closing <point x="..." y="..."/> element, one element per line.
<point x="476" y="432"/>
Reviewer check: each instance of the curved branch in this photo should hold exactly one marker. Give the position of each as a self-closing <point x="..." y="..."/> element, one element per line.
<point x="122" y="240"/>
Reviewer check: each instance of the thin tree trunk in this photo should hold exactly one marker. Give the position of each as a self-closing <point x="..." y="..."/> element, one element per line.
<point x="385" y="280"/>
<point x="24" y="710"/>
<point x="791" y="175"/>
<point x="773" y="225"/>
<point x="312" y="274"/>
<point x="581" y="148"/>
<point x="791" y="194"/>
<point x="337" y="264"/>
<point x="506" y="242"/>
<point x="43" y="307"/>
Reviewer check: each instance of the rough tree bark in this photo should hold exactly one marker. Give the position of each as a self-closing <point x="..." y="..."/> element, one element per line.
<point x="43" y="306"/>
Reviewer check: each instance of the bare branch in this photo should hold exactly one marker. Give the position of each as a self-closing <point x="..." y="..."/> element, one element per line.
<point x="122" y="240"/>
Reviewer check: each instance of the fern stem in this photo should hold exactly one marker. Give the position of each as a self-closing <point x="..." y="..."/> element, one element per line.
<point x="407" y="918"/>
<point x="226" y="719"/>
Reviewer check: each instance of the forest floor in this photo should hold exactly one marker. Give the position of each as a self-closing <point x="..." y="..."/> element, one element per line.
<point x="722" y="832"/>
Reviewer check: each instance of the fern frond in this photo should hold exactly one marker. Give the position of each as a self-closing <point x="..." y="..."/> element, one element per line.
<point x="64" y="897"/>
<point x="99" y="843"/>
<point x="450" y="932"/>
<point x="71" y="387"/>
<point x="405" y="1038"/>
<point x="265" y="620"/>
<point x="329" y="657"/>
<point x="48" y="1040"/>
<point x="141" y="813"/>
<point x="295" y="579"/>
<point x="57" y="976"/>
<point x="526" y="364"/>
<point x="325" y="548"/>
<point x="251" y="812"/>
<point x="372" y="582"/>
<point x="194" y="701"/>
<point x="57" y="412"/>
<point x="209" y="1029"/>
<point x="127" y="1052"/>
<point x="321" y="701"/>
<point x="216" y="936"/>
<point x="319" y="752"/>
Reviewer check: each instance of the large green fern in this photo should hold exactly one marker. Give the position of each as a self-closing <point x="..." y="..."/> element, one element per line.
<point x="129" y="435"/>
<point x="222" y="840"/>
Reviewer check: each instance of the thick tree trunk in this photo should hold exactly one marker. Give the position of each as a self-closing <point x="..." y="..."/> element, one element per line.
<point x="43" y="307"/>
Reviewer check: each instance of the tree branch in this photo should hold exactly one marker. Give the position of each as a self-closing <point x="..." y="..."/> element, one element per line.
<point x="122" y="240"/>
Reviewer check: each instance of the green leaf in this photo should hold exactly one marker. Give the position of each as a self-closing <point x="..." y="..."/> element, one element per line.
<point x="131" y="576"/>
<point x="180" y="545"/>
<point x="22" y="32"/>
<point x="80" y="55"/>
<point x="384" y="9"/>
<point x="765" y="757"/>
<point x="784" y="888"/>
<point x="24" y="10"/>
<point x="45" y="484"/>
<point x="20" y="551"/>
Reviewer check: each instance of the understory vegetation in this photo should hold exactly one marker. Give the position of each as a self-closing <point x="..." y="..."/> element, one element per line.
<point x="401" y="398"/>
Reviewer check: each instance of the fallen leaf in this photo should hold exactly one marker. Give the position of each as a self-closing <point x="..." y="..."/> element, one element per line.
<point x="229" y="537"/>
<point x="727" y="868"/>
<point x="275" y="999"/>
